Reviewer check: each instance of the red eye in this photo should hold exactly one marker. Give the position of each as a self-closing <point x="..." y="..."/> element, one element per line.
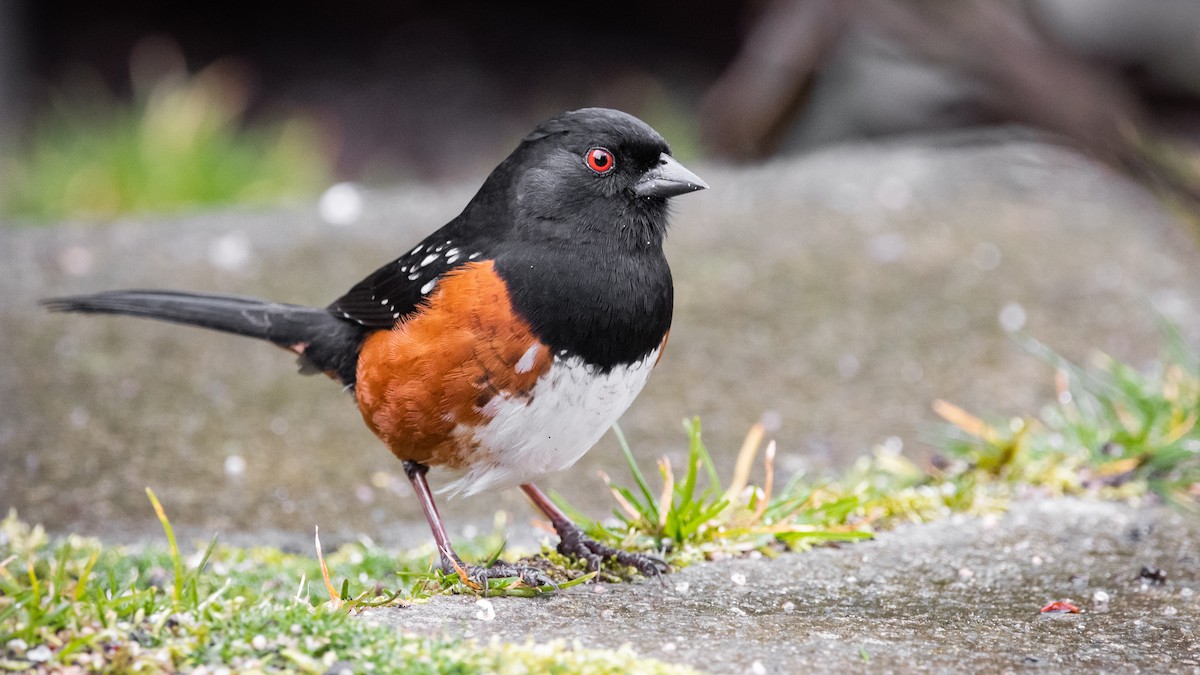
<point x="600" y="160"/>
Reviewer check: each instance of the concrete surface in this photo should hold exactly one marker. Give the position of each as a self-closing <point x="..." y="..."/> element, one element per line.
<point x="963" y="595"/>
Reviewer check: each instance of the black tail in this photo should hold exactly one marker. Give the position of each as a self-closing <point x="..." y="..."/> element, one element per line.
<point x="325" y="342"/>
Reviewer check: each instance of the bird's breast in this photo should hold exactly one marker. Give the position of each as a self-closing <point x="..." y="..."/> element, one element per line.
<point x="548" y="428"/>
<point x="467" y="383"/>
<point x="440" y="368"/>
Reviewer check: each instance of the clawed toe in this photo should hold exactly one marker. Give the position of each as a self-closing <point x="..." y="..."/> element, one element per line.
<point x="479" y="575"/>
<point x="647" y="565"/>
<point x="574" y="543"/>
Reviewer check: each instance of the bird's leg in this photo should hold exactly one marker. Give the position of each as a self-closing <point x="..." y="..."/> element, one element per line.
<point x="574" y="543"/>
<point x="451" y="563"/>
<point x="416" y="475"/>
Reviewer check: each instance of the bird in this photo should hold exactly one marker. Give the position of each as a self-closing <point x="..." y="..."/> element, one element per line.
<point x="502" y="346"/>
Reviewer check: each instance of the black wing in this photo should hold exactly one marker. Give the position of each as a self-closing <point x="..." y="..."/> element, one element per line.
<point x="393" y="291"/>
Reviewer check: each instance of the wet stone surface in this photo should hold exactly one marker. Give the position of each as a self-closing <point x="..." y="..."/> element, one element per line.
<point x="834" y="295"/>
<point x="961" y="595"/>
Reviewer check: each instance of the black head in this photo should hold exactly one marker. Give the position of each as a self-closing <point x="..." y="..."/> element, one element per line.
<point x="592" y="173"/>
<point x="573" y="221"/>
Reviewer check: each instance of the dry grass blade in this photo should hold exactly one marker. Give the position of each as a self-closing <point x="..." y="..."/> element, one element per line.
<point x="768" y="482"/>
<point x="177" y="562"/>
<point x="1062" y="385"/>
<point x="1180" y="430"/>
<point x="668" y="490"/>
<point x="334" y="598"/>
<point x="460" y="571"/>
<point x="745" y="462"/>
<point x="964" y="420"/>
<point x="624" y="503"/>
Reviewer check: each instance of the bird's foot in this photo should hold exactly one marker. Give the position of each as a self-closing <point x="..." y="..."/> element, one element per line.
<point x="478" y="576"/>
<point x="575" y="544"/>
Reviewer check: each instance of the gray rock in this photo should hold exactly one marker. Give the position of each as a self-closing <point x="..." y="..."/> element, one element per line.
<point x="962" y="595"/>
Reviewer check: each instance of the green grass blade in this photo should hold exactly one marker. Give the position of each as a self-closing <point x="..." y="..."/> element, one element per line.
<point x="688" y="490"/>
<point x="701" y="455"/>
<point x="81" y="583"/>
<point x="650" y="504"/>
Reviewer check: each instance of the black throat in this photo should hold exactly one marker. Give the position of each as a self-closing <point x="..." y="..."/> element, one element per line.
<point x="611" y="306"/>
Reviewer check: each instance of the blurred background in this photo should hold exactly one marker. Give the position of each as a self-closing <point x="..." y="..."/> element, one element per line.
<point x="364" y="91"/>
<point x="897" y="186"/>
<point x="113" y="106"/>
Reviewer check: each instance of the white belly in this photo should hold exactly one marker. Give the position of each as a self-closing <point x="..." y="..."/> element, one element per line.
<point x="528" y="437"/>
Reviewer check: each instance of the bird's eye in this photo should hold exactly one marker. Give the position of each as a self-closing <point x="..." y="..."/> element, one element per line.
<point x="600" y="160"/>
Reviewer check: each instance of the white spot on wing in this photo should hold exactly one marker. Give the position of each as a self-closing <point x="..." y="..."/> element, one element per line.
<point x="429" y="286"/>
<point x="428" y="259"/>
<point x="526" y="363"/>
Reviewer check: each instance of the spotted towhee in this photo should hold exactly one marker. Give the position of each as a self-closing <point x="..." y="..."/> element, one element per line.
<point x="504" y="344"/>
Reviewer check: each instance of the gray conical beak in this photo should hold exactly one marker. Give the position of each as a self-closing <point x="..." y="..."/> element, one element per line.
<point x="668" y="179"/>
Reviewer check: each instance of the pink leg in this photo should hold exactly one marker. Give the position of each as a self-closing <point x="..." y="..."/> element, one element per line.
<point x="451" y="563"/>
<point x="416" y="475"/>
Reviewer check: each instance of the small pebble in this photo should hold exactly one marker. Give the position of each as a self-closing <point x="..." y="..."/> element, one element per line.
<point x="364" y="494"/>
<point x="1100" y="597"/>
<point x="1012" y="317"/>
<point x="487" y="611"/>
<point x="789" y="607"/>
<point x="39" y="654"/>
<point x="758" y="668"/>
<point x="17" y="645"/>
<point x="76" y="260"/>
<point x="738" y="578"/>
<point x="235" y="466"/>
<point x="259" y="642"/>
<point x="1155" y="575"/>
<point x="682" y="587"/>
<point x="341" y="204"/>
<point x="231" y="251"/>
